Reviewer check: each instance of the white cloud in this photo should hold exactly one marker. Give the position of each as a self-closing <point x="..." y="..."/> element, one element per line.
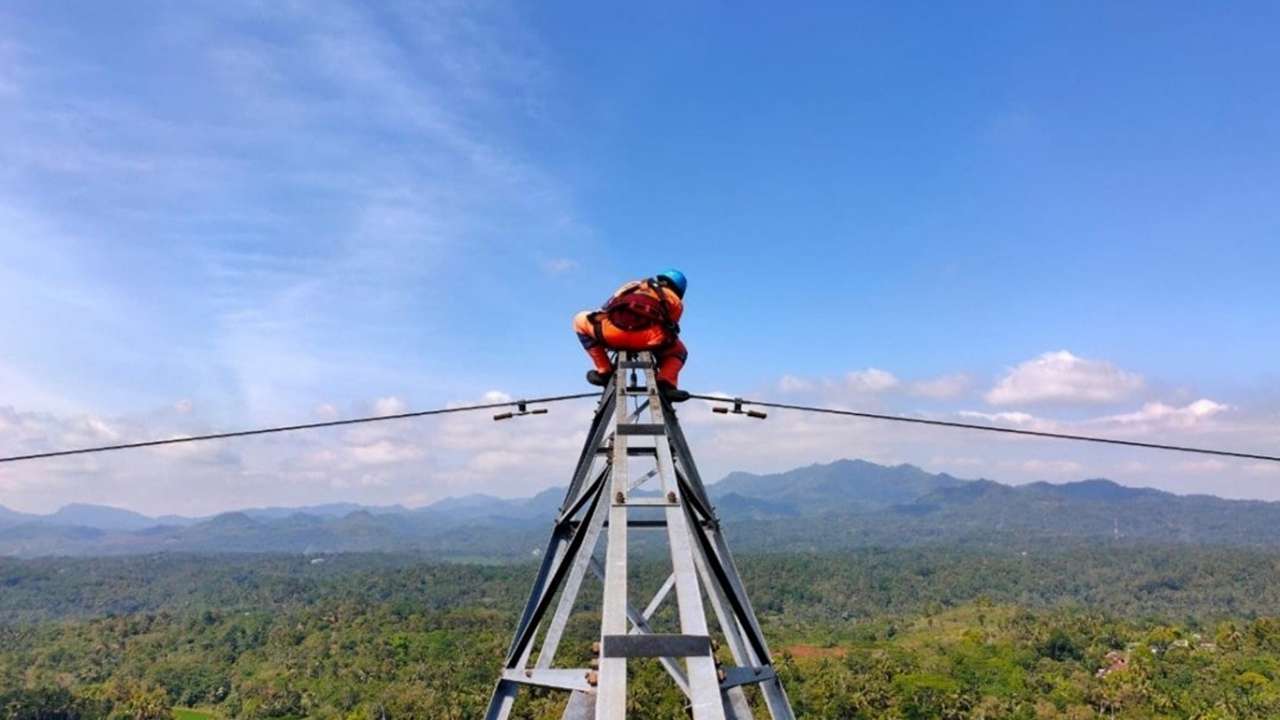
<point x="421" y="460"/>
<point x="793" y="384"/>
<point x="1263" y="469"/>
<point x="942" y="388"/>
<point x="385" y="451"/>
<point x="870" y="380"/>
<point x="1157" y="413"/>
<point x="495" y="396"/>
<point x="389" y="406"/>
<point x="99" y="429"/>
<point x="557" y="266"/>
<point x="1151" y="417"/>
<point x="388" y="134"/>
<point x="377" y="463"/>
<point x="1010" y="418"/>
<point x="1063" y="377"/>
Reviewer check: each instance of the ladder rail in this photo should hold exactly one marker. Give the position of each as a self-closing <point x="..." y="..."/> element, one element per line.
<point x="703" y="684"/>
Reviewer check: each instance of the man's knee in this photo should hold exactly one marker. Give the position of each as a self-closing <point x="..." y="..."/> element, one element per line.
<point x="586" y="330"/>
<point x="677" y="351"/>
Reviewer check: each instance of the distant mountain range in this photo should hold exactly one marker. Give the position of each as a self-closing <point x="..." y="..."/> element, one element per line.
<point x="105" y="517"/>
<point x="844" y="485"/>
<point x="848" y="503"/>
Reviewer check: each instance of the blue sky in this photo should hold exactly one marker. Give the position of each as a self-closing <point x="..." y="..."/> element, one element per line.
<point x="216" y="215"/>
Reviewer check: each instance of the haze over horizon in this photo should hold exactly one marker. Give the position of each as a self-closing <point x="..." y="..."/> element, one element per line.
<point x="249" y="215"/>
<point x="555" y="489"/>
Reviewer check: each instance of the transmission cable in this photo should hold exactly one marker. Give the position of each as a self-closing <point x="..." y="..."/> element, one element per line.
<point x="739" y="402"/>
<point x="304" y="426"/>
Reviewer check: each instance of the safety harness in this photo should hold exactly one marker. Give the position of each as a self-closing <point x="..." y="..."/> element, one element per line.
<point x="632" y="310"/>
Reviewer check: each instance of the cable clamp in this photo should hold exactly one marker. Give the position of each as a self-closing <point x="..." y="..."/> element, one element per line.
<point x="738" y="410"/>
<point x="522" y="409"/>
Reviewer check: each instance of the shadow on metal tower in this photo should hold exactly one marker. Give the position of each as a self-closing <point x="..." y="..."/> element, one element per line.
<point x="635" y="439"/>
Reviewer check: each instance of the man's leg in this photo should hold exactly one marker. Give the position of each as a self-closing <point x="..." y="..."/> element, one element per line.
<point x="595" y="349"/>
<point x="670" y="361"/>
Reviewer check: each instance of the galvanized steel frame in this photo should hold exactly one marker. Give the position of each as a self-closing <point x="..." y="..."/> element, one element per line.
<point x="599" y="503"/>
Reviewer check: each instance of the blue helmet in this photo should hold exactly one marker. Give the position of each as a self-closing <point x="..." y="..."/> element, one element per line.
<point x="676" y="278"/>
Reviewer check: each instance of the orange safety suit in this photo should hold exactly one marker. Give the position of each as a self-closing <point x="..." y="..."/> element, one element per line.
<point x="599" y="334"/>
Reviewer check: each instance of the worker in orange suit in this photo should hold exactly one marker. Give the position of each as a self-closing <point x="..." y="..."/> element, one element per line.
<point x="641" y="315"/>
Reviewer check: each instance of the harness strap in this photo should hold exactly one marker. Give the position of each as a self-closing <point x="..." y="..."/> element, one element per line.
<point x="597" y="326"/>
<point x="670" y="325"/>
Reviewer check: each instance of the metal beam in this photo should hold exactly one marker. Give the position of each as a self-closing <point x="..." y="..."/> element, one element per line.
<point x="500" y="703"/>
<point x="611" y="693"/>
<point x="525" y="634"/>
<point x="573" y="583"/>
<point x="567" y="516"/>
<point x="737" y="676"/>
<point x="655" y="645"/>
<point x="704" y="686"/>
<point x="581" y="706"/>
<point x="558" y="679"/>
<point x="599" y="427"/>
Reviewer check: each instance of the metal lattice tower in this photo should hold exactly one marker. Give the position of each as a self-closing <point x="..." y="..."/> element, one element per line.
<point x="634" y="425"/>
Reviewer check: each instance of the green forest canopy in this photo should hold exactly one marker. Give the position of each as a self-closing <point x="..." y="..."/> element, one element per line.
<point x="1138" y="632"/>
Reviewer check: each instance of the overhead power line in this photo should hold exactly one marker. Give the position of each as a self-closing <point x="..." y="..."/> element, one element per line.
<point x="990" y="428"/>
<point x="304" y="426"/>
<point x="521" y="404"/>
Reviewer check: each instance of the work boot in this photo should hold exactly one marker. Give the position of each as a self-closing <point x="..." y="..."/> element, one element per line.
<point x="597" y="378"/>
<point x="672" y="393"/>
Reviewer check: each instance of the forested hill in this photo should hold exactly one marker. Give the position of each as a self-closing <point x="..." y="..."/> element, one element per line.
<point x="849" y="503"/>
<point x="845" y="485"/>
<point x="944" y="509"/>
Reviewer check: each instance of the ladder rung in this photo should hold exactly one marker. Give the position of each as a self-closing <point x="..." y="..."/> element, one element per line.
<point x="655" y="645"/>
<point x="637" y="364"/>
<point x="642" y="429"/>
<point x="646" y="523"/>
<point x="643" y="523"/>
<point x="631" y="451"/>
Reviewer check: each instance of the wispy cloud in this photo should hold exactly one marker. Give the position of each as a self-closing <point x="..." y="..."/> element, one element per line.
<point x="871" y="380"/>
<point x="286" y="214"/>
<point x="945" y="387"/>
<point x="422" y="460"/>
<point x="557" y="266"/>
<point x="792" y="384"/>
<point x="1158" y="414"/>
<point x="264" y="212"/>
<point x="413" y="461"/>
<point x="289" y="203"/>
